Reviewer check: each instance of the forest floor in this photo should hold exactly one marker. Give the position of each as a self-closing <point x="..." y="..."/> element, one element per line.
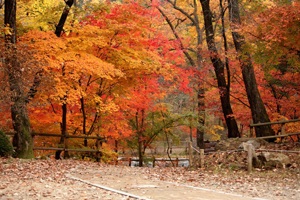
<point x="74" y="179"/>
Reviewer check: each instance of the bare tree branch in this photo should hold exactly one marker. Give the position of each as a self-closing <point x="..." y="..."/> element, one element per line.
<point x="177" y="37"/>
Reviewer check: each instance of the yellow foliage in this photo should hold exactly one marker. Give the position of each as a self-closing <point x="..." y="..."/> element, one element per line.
<point x="108" y="155"/>
<point x="213" y="132"/>
<point x="7" y="30"/>
<point x="34" y="14"/>
<point x="68" y="63"/>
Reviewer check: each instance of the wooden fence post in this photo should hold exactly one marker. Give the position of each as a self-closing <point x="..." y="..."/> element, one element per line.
<point x="129" y="162"/>
<point x="250" y="150"/>
<point x="282" y="129"/>
<point x="190" y="154"/>
<point x="65" y="144"/>
<point x="201" y="158"/>
<point x="98" y="154"/>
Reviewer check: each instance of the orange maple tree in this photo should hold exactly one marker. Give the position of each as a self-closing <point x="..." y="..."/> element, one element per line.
<point x="103" y="62"/>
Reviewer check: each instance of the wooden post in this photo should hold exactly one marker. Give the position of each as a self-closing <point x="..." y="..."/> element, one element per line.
<point x="176" y="162"/>
<point x="153" y="164"/>
<point x="98" y="154"/>
<point x="65" y="144"/>
<point x="190" y="154"/>
<point x="129" y="162"/>
<point x="250" y="150"/>
<point x="251" y="129"/>
<point x="282" y="129"/>
<point x="201" y="158"/>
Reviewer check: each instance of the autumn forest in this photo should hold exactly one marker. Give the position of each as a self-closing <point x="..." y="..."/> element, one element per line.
<point x="135" y="72"/>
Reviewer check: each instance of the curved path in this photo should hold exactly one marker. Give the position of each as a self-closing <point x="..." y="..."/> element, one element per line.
<point x="142" y="188"/>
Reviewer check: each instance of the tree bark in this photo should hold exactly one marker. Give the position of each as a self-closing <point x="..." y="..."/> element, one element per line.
<point x="201" y="118"/>
<point x="63" y="133"/>
<point x="200" y="89"/>
<point x="140" y="129"/>
<point x="219" y="71"/>
<point x="58" y="30"/>
<point x="258" y="110"/>
<point x="63" y="18"/>
<point x="22" y="139"/>
<point x="85" y="142"/>
<point x="84" y="121"/>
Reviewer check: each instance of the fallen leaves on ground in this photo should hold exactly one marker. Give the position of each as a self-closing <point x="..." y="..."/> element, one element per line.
<point x="47" y="179"/>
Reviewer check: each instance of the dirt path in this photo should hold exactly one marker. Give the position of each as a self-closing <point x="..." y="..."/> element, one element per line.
<point x="175" y="184"/>
<point x="141" y="188"/>
<point x="70" y="179"/>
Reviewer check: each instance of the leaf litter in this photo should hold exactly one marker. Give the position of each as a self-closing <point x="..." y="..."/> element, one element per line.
<point x="48" y="179"/>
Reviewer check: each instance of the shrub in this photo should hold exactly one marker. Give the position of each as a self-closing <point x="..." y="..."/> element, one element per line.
<point x="6" y="148"/>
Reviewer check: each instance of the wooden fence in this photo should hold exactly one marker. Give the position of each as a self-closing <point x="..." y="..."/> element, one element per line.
<point x="283" y="133"/>
<point x="174" y="161"/>
<point x="64" y="146"/>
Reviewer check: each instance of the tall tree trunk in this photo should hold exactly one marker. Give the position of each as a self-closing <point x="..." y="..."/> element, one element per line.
<point x="58" y="30"/>
<point x="140" y="129"/>
<point x="201" y="118"/>
<point x="85" y="142"/>
<point x="258" y="110"/>
<point x="219" y="71"/>
<point x="63" y="126"/>
<point x="22" y="139"/>
<point x="200" y="88"/>
<point x="84" y="123"/>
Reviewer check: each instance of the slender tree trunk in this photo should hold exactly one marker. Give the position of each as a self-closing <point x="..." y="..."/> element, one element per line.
<point x="219" y="71"/>
<point x="22" y="139"/>
<point x="63" y="126"/>
<point x="116" y="146"/>
<point x="258" y="110"/>
<point x="85" y="142"/>
<point x="201" y="88"/>
<point x="84" y="124"/>
<point x="139" y="129"/>
<point x="169" y="148"/>
<point x="201" y="118"/>
<point x="58" y="30"/>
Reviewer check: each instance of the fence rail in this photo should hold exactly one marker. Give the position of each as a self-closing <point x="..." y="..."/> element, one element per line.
<point x="64" y="145"/>
<point x="277" y="136"/>
<point x="282" y="129"/>
<point x="272" y="123"/>
<point x="175" y="161"/>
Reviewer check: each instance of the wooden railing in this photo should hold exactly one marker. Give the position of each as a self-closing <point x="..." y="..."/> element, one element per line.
<point x="282" y="129"/>
<point x="64" y="145"/>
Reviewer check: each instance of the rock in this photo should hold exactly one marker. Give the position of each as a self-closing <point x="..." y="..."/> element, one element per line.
<point x="237" y="143"/>
<point x="184" y="163"/>
<point x="256" y="144"/>
<point x="228" y="144"/>
<point x="273" y="160"/>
